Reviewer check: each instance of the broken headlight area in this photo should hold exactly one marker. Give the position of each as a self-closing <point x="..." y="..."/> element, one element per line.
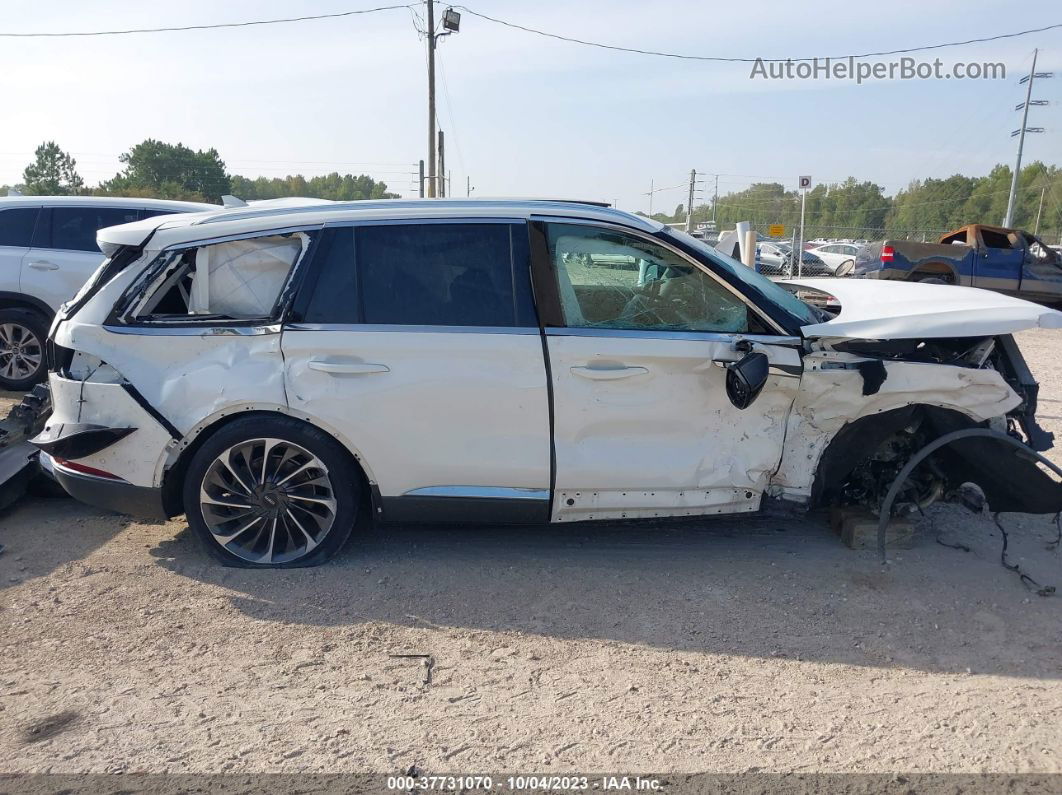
<point x="867" y="455"/>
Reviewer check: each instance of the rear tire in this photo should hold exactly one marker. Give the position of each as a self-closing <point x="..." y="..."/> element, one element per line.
<point x="22" y="360"/>
<point x="932" y="280"/>
<point x="272" y="492"/>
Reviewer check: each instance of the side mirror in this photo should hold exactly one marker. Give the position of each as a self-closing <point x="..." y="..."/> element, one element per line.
<point x="745" y="379"/>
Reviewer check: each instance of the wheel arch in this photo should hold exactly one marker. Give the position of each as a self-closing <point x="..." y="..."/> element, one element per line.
<point x="939" y="269"/>
<point x="178" y="459"/>
<point x="9" y="300"/>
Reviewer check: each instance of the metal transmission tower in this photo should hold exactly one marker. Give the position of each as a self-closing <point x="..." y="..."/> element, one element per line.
<point x="1020" y="132"/>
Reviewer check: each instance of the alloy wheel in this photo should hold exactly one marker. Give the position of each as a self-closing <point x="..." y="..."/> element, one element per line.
<point x="21" y="352"/>
<point x="268" y="501"/>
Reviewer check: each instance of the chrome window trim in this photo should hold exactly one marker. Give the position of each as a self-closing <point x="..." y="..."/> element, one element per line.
<point x="482" y="492"/>
<point x="701" y="336"/>
<point x="209" y="241"/>
<point x="196" y="331"/>
<point x="430" y="220"/>
<point x="411" y="329"/>
<point x="768" y="321"/>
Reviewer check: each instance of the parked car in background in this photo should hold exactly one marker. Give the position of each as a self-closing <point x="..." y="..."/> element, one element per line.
<point x="277" y="372"/>
<point x="839" y="257"/>
<point x="774" y="259"/>
<point x="992" y="257"/>
<point x="47" y="251"/>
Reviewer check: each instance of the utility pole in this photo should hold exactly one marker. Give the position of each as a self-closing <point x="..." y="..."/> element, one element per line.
<point x="650" y="197"/>
<point x="421" y="180"/>
<point x="468" y="185"/>
<point x="715" y="203"/>
<point x="442" y="167"/>
<point x="689" y="204"/>
<point x="1040" y="210"/>
<point x="1020" y="132"/>
<point x="431" y="99"/>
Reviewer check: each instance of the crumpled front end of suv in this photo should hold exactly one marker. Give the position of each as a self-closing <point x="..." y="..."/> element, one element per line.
<point x="901" y="366"/>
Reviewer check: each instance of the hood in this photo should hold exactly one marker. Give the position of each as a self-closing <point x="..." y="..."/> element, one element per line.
<point x="873" y="309"/>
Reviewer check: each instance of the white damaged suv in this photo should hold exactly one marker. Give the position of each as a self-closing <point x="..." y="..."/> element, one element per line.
<point x="278" y="372"/>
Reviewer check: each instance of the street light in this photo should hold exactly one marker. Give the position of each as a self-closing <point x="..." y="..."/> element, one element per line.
<point x="451" y="20"/>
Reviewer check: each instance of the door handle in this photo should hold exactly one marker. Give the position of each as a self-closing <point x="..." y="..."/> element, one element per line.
<point x="347" y="368"/>
<point x="609" y="374"/>
<point x="43" y="265"/>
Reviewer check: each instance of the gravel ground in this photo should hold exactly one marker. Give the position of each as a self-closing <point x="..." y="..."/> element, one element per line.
<point x="717" y="645"/>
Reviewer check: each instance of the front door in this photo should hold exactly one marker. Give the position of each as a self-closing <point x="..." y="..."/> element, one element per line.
<point x="418" y="345"/>
<point x="643" y="426"/>
<point x="997" y="262"/>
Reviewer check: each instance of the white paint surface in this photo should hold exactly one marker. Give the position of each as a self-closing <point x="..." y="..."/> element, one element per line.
<point x="665" y="441"/>
<point x="881" y="309"/>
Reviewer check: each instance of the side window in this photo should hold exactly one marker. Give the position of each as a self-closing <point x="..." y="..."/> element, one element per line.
<point x="440" y="274"/>
<point x="333" y="298"/>
<point x="74" y="228"/>
<point x="995" y="239"/>
<point x="234" y="280"/>
<point x="609" y="279"/>
<point x="16" y="226"/>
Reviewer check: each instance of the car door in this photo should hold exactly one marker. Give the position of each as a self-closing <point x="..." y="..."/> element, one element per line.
<point x="997" y="262"/>
<point x="16" y="234"/>
<point x="64" y="252"/>
<point x="418" y="345"/>
<point x="643" y="425"/>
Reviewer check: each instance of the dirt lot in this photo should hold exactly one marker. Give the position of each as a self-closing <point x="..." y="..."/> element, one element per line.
<point x="722" y="645"/>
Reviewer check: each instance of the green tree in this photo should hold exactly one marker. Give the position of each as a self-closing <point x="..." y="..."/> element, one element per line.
<point x="345" y="187"/>
<point x="170" y="171"/>
<point x="53" y="172"/>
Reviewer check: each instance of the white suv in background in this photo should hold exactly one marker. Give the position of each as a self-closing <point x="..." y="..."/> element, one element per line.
<point x="47" y="251"/>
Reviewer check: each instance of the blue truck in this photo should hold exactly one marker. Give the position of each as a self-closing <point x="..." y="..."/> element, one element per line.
<point x="1005" y="260"/>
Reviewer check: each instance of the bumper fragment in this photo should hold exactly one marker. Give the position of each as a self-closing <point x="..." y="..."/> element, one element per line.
<point x="77" y="439"/>
<point x="111" y="494"/>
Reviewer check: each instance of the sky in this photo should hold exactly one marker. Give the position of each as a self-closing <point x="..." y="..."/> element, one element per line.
<point x="526" y="115"/>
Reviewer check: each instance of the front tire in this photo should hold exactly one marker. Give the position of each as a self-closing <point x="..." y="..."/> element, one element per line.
<point x="22" y="360"/>
<point x="271" y="492"/>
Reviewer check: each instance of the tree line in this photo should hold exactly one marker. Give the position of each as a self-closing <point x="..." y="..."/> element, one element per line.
<point x="926" y="207"/>
<point x="853" y="208"/>
<point x="155" y="169"/>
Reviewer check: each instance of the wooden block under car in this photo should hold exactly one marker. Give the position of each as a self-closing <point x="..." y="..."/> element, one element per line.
<point x="858" y="529"/>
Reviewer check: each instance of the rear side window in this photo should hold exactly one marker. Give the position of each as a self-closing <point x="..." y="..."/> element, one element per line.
<point x="234" y="280"/>
<point x="74" y="228"/>
<point x="468" y="274"/>
<point x="16" y="226"/>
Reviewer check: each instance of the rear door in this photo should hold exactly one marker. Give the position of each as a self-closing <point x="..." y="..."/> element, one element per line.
<point x="64" y="252"/>
<point x="643" y="426"/>
<point x="417" y="344"/>
<point x="16" y="234"/>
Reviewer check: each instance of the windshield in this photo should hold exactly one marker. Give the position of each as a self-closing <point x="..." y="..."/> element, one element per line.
<point x="805" y="314"/>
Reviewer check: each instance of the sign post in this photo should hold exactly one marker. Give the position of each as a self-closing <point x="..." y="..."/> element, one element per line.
<point x="798" y="251"/>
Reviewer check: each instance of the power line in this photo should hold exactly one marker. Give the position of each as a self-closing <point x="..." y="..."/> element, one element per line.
<point x="721" y="59"/>
<point x="181" y="28"/>
<point x="526" y="29"/>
